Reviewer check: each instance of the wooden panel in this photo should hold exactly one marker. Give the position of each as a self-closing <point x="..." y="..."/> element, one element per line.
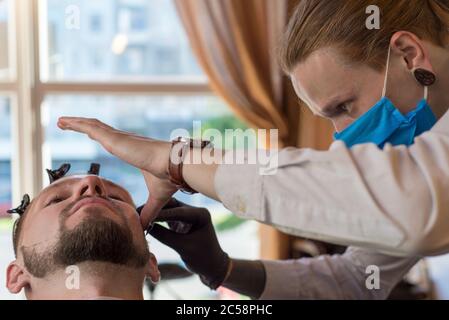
<point x="273" y="244"/>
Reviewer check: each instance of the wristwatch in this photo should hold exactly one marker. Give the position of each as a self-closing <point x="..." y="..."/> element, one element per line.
<point x="178" y="151"/>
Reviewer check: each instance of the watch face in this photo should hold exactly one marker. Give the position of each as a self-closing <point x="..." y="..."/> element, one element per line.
<point x="178" y="139"/>
<point x="175" y="165"/>
<point x="193" y="143"/>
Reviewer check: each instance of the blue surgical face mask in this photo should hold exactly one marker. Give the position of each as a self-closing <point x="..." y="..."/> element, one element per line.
<point x="384" y="123"/>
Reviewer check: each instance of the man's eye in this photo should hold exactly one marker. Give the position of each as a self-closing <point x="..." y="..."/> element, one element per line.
<point x="116" y="197"/>
<point x="54" y="200"/>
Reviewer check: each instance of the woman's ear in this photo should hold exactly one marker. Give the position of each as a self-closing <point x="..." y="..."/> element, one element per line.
<point x="412" y="49"/>
<point x="153" y="271"/>
<point x="16" y="278"/>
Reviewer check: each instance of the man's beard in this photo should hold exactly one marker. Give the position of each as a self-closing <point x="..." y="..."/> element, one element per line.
<point x="95" y="239"/>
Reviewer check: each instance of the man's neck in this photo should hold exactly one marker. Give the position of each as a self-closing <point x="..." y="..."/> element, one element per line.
<point x="90" y="281"/>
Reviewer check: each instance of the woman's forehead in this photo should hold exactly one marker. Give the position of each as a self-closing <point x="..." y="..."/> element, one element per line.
<point x="324" y="78"/>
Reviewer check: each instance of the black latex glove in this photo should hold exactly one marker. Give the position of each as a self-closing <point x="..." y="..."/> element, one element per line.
<point x="192" y="235"/>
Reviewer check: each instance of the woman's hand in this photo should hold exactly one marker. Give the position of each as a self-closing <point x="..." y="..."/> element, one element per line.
<point x="161" y="191"/>
<point x="191" y="233"/>
<point x="151" y="156"/>
<point x="144" y="153"/>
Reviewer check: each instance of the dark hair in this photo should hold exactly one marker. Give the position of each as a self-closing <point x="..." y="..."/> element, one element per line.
<point x="17" y="229"/>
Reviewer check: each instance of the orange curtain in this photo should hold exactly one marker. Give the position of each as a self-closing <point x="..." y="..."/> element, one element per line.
<point x="236" y="43"/>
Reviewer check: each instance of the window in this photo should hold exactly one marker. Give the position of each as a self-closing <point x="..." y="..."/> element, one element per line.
<point x="5" y="190"/>
<point x="95" y="23"/>
<point x="5" y="56"/>
<point x="133" y="18"/>
<point x="151" y="31"/>
<point x="5" y="156"/>
<point x="127" y="62"/>
<point x="132" y="61"/>
<point x="6" y="75"/>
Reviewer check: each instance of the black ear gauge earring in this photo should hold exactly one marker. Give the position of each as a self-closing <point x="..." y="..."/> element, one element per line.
<point x="424" y="77"/>
<point x="23" y="206"/>
<point x="54" y="175"/>
<point x="94" y="169"/>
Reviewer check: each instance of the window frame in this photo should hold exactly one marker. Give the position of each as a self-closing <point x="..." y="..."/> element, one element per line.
<point x="28" y="91"/>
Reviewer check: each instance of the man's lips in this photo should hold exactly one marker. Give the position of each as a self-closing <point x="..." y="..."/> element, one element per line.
<point x="91" y="201"/>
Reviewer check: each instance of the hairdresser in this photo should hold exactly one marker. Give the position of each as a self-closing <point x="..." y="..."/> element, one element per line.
<point x="378" y="186"/>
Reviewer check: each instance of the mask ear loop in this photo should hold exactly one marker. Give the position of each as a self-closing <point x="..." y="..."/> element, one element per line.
<point x="387" y="69"/>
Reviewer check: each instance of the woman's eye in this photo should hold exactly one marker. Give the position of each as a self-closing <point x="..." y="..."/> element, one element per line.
<point x="343" y="108"/>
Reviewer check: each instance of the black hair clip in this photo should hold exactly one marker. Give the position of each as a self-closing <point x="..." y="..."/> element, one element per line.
<point x="54" y="175"/>
<point x="94" y="169"/>
<point x="23" y="206"/>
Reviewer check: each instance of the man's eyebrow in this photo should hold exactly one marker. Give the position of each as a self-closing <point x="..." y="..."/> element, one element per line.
<point x="116" y="186"/>
<point x="54" y="186"/>
<point x="69" y="182"/>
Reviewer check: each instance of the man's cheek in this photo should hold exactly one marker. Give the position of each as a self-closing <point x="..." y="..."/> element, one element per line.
<point x="135" y="224"/>
<point x="40" y="232"/>
<point x="128" y="210"/>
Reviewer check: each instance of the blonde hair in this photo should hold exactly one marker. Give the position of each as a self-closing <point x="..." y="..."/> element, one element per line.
<point x="316" y="24"/>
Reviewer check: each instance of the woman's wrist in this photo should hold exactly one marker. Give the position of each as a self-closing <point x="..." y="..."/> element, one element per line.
<point x="229" y="270"/>
<point x="246" y="277"/>
<point x="199" y="166"/>
<point x="200" y="175"/>
<point x="158" y="159"/>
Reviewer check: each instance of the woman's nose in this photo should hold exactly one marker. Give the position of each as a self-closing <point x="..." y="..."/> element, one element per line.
<point x="91" y="186"/>
<point x="342" y="124"/>
<point x="338" y="127"/>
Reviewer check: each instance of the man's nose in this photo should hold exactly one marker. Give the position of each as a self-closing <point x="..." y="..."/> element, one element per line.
<point x="91" y="186"/>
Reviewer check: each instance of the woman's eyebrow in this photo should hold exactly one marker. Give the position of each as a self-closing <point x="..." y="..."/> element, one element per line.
<point x="329" y="108"/>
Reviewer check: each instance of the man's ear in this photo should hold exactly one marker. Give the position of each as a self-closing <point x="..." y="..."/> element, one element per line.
<point x="153" y="271"/>
<point x="16" y="278"/>
<point x="412" y="49"/>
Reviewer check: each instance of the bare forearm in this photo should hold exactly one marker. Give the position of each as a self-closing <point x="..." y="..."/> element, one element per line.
<point x="199" y="171"/>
